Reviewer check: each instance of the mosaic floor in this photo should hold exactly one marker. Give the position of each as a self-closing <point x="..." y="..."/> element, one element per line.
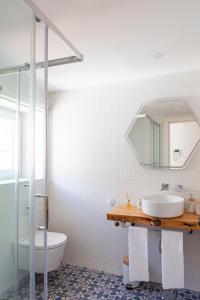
<point x="76" y="283"/>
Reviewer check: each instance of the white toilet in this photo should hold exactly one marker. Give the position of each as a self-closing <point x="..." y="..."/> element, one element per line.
<point x="55" y="247"/>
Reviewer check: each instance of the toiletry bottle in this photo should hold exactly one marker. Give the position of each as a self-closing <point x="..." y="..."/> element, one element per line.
<point x="129" y="205"/>
<point x="190" y="204"/>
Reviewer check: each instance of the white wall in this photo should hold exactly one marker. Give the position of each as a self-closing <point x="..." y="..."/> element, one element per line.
<point x="91" y="162"/>
<point x="183" y="136"/>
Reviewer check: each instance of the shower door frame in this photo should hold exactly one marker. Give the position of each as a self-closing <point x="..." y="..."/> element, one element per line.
<point x="37" y="13"/>
<point x="78" y="57"/>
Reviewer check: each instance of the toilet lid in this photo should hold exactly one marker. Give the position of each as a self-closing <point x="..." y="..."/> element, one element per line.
<point x="54" y="240"/>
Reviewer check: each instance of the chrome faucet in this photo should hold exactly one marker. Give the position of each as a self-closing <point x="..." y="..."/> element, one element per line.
<point x="164" y="187"/>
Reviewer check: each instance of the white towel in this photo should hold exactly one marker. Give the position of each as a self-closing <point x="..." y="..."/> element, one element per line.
<point x="172" y="259"/>
<point x="138" y="254"/>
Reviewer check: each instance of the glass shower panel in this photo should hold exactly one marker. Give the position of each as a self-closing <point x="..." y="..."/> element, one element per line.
<point x="24" y="206"/>
<point x="15" y="31"/>
<point x="8" y="192"/>
<point x="24" y="51"/>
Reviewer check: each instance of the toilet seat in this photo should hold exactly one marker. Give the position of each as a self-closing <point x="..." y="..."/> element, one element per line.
<point x="54" y="240"/>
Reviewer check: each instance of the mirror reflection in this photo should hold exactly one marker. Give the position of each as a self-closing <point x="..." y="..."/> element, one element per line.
<point x="164" y="134"/>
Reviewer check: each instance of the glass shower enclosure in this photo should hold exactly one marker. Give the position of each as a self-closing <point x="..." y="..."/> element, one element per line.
<point x="30" y="44"/>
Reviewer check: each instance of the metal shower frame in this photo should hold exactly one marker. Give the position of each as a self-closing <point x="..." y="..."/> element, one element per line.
<point x="77" y="57"/>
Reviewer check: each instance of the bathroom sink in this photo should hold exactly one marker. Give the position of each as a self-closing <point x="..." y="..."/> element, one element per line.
<point x="163" y="206"/>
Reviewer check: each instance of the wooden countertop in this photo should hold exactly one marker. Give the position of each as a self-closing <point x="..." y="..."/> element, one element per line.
<point x="122" y="213"/>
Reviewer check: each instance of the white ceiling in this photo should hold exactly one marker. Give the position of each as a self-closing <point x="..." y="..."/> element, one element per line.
<point x="119" y="38"/>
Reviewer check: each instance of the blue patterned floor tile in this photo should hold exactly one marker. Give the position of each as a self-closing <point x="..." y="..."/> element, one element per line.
<point x="77" y="283"/>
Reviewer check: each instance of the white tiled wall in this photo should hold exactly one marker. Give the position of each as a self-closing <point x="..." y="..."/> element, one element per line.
<point x="92" y="163"/>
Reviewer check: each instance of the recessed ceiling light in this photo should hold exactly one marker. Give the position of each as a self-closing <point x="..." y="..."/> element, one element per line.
<point x="159" y="55"/>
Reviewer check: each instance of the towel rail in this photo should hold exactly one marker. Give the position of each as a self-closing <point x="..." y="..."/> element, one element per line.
<point x="156" y="229"/>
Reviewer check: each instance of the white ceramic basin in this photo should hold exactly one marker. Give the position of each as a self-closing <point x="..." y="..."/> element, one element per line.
<point x="163" y="206"/>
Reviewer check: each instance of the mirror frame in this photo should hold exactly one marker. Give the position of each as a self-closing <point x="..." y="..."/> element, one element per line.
<point x="137" y="154"/>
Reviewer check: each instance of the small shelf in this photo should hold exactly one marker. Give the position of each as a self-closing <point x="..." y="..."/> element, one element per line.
<point x="122" y="213"/>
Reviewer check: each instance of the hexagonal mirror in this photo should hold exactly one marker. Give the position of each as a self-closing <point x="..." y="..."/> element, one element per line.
<point x="164" y="134"/>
